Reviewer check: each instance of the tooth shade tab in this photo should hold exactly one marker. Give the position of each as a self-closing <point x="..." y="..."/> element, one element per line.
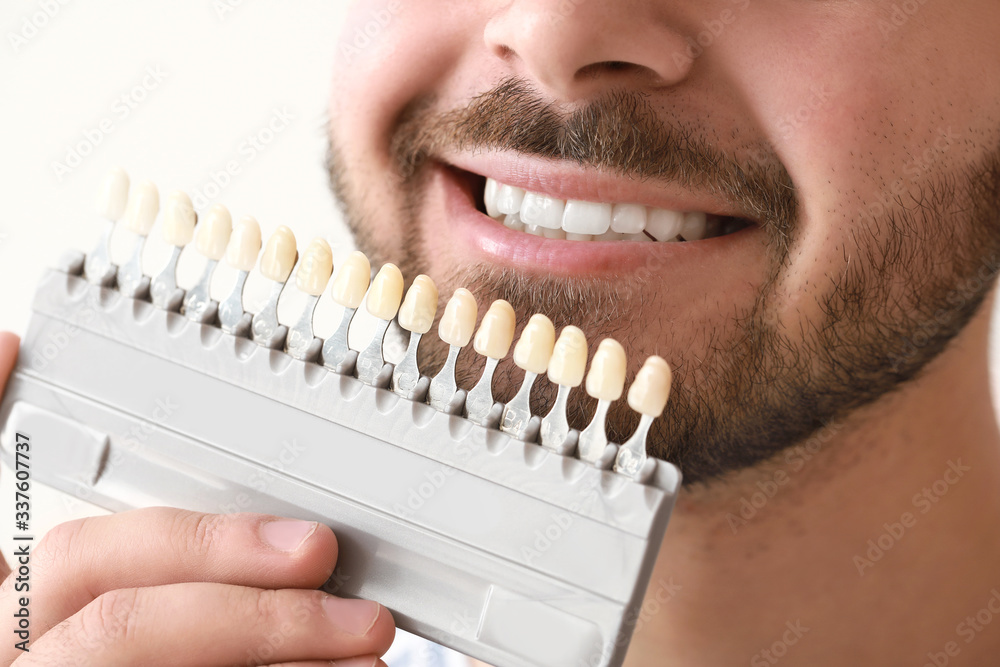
<point x="542" y="210"/>
<point x="244" y="245"/>
<point x="569" y="358"/>
<point x="459" y="319"/>
<point x="179" y="220"/>
<point x="143" y="206"/>
<point x="315" y="268"/>
<point x="214" y="232"/>
<point x="651" y="388"/>
<point x="386" y="293"/>
<point x="534" y="348"/>
<point x="628" y="219"/>
<point x="584" y="217"/>
<point x="349" y="286"/>
<point x="664" y="225"/>
<point x="606" y="378"/>
<point x="496" y="333"/>
<point x="279" y="255"/>
<point x="416" y="315"/>
<point x="509" y="199"/>
<point x="112" y="197"/>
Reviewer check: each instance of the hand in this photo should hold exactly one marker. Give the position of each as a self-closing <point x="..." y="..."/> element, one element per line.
<point x="174" y="588"/>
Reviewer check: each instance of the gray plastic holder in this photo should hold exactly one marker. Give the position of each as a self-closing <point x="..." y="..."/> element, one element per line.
<point x="494" y="547"/>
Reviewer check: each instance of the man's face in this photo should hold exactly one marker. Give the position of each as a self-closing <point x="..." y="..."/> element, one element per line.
<point x="844" y="155"/>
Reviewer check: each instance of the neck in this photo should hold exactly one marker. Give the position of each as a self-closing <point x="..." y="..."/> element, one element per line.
<point x="885" y="521"/>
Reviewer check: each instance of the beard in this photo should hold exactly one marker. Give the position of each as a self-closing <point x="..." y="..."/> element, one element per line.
<point x="917" y="273"/>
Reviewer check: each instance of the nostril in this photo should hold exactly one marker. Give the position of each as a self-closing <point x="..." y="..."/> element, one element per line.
<point x="595" y="70"/>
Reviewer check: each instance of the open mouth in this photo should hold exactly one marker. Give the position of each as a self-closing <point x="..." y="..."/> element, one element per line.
<point x="546" y="216"/>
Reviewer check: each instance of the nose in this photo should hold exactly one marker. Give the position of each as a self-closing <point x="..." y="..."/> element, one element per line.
<point x="576" y="48"/>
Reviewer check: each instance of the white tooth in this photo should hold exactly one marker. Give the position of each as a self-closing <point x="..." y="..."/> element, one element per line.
<point x="579" y="237"/>
<point x="553" y="233"/>
<point x="628" y="218"/>
<point x="509" y="199"/>
<point x="542" y="210"/>
<point x="610" y="236"/>
<point x="513" y="221"/>
<point x="113" y="196"/>
<point x="664" y="224"/>
<point x="584" y="217"/>
<point x="143" y="206"/>
<point x="490" y="197"/>
<point x="534" y="230"/>
<point x="695" y="226"/>
<point x="641" y="238"/>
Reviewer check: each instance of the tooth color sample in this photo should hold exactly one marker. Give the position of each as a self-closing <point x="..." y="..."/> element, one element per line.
<point x="279" y="255"/>
<point x="244" y="245"/>
<point x="349" y="287"/>
<point x="420" y="305"/>
<point x="459" y="319"/>
<point x="606" y="379"/>
<point x="315" y="268"/>
<point x="386" y="293"/>
<point x="651" y="388"/>
<point x="534" y="348"/>
<point x="496" y="333"/>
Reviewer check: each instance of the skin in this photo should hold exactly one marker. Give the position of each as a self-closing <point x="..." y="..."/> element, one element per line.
<point x="866" y="308"/>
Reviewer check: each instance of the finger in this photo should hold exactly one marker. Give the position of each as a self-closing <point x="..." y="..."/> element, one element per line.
<point x="78" y="561"/>
<point x="205" y="625"/>
<point x="9" y="344"/>
<point x="367" y="661"/>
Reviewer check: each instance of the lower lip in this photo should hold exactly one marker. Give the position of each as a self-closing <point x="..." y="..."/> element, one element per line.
<point x="490" y="241"/>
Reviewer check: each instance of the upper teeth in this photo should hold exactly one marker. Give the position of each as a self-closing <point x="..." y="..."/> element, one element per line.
<point x="547" y="216"/>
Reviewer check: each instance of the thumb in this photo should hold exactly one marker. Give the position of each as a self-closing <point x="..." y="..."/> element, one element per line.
<point x="8" y="356"/>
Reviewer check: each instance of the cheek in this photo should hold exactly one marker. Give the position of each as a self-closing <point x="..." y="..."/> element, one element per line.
<point x="859" y="127"/>
<point x="391" y="54"/>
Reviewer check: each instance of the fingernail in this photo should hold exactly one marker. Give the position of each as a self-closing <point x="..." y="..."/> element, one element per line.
<point x="287" y="535"/>
<point x="356" y="662"/>
<point x="355" y="617"/>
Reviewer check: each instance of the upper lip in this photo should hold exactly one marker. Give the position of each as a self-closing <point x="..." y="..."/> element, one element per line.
<point x="564" y="180"/>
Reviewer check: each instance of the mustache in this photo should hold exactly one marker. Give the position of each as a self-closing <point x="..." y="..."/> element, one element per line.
<point x="619" y="132"/>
